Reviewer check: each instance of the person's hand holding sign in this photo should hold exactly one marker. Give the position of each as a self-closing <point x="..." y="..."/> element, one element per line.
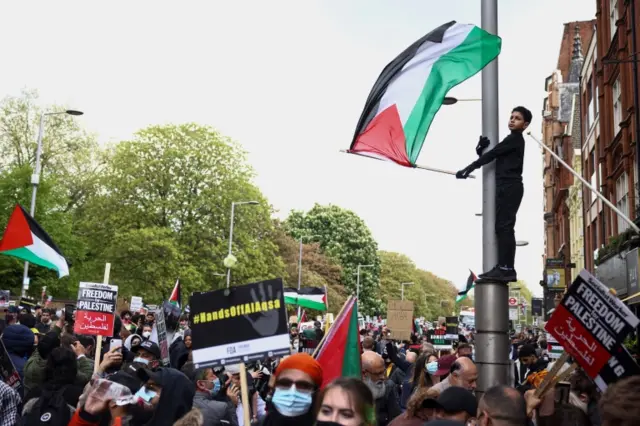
<point x="267" y="323"/>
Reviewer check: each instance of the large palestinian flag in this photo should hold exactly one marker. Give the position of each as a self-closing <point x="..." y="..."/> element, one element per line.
<point x="411" y="89"/>
<point x="26" y="240"/>
<point x="306" y="297"/>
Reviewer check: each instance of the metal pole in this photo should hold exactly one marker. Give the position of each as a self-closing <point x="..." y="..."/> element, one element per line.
<point x="233" y="207"/>
<point x="358" y="284"/>
<point x="300" y="264"/>
<point x="491" y="299"/>
<point x="35" y="181"/>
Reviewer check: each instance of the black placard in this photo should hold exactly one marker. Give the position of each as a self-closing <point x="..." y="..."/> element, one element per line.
<point x="536" y="307"/>
<point x="8" y="372"/>
<point x="618" y="367"/>
<point x="239" y="324"/>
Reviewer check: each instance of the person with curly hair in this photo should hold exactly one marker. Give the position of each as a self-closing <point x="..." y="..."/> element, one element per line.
<point x="421" y="408"/>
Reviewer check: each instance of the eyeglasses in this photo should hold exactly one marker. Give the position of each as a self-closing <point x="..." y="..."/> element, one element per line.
<point x="300" y="385"/>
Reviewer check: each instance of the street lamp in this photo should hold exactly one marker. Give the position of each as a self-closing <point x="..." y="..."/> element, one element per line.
<point x="402" y="289"/>
<point x="450" y="100"/>
<point x="300" y="258"/>
<point x="358" y="279"/>
<point x="233" y="211"/>
<point x="35" y="181"/>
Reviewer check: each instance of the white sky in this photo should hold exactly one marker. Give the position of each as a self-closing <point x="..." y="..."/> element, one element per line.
<point x="288" y="80"/>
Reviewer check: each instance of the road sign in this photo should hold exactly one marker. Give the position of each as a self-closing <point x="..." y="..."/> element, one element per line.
<point x="513" y="301"/>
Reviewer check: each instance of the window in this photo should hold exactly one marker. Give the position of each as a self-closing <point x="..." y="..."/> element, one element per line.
<point x="590" y="109"/>
<point x="592" y="179"/>
<point x="617" y="106"/>
<point x="622" y="200"/>
<point x="613" y="16"/>
<point x="595" y="102"/>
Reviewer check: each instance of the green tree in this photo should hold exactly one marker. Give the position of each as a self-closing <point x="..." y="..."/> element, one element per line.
<point x="70" y="163"/>
<point x="344" y="237"/>
<point x="317" y="269"/>
<point x="163" y="212"/>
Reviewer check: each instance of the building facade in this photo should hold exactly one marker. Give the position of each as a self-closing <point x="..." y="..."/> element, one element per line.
<point x="610" y="154"/>
<point x="562" y="134"/>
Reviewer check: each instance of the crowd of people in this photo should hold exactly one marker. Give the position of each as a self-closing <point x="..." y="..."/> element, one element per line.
<point x="402" y="384"/>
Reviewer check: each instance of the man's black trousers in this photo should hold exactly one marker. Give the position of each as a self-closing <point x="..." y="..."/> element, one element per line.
<point x="508" y="198"/>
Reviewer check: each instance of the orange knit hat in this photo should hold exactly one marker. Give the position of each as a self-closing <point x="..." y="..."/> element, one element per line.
<point x="303" y="362"/>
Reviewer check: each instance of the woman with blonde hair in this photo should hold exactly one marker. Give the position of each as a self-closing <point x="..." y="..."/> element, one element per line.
<point x="346" y="402"/>
<point x="420" y="409"/>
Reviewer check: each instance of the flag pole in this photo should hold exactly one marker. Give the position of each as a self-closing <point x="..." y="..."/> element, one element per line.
<point x="415" y="166"/>
<point x="315" y="352"/>
<point x="587" y="184"/>
<point x="96" y="365"/>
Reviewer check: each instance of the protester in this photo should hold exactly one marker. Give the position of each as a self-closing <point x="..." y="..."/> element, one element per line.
<point x="18" y="341"/>
<point x="384" y="391"/>
<point x="455" y="403"/>
<point x="346" y="402"/>
<point x="463" y="373"/>
<point x="501" y="405"/>
<point x="10" y="403"/>
<point x="208" y="386"/>
<point x="297" y="379"/>
<point x="420" y="408"/>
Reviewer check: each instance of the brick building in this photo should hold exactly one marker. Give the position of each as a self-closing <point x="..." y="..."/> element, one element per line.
<point x="609" y="148"/>
<point x="561" y="132"/>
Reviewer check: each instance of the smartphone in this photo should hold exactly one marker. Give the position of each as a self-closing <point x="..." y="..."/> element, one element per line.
<point x="69" y="310"/>
<point x="115" y="343"/>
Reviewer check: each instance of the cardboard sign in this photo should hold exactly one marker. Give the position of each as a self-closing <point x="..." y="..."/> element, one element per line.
<point x="239" y="324"/>
<point x="400" y="319"/>
<point x="590" y="323"/>
<point x="95" y="310"/>
<point x="8" y="372"/>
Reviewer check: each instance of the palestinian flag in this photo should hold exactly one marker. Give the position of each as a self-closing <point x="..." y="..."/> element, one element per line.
<point x="306" y="297"/>
<point x="411" y="89"/>
<point x="26" y="240"/>
<point x="175" y="298"/>
<point x="340" y="354"/>
<point x="471" y="283"/>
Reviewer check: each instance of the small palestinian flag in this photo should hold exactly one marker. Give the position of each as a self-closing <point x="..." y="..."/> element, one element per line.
<point x="339" y="356"/>
<point x="306" y="297"/>
<point x="26" y="240"/>
<point x="175" y="298"/>
<point x="411" y="89"/>
<point x="471" y="283"/>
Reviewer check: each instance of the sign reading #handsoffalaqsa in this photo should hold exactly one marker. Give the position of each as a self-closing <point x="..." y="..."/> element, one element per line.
<point x="239" y="324"/>
<point x="95" y="310"/>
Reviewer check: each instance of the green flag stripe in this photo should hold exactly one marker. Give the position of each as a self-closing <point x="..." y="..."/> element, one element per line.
<point x="351" y="365"/>
<point x="478" y="49"/>
<point x="26" y="254"/>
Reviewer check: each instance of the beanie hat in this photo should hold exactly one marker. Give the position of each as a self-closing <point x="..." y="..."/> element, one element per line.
<point x="302" y="362"/>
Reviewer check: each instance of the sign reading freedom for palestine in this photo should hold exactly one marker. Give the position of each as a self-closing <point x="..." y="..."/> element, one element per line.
<point x="239" y="324"/>
<point x="96" y="308"/>
<point x="591" y="324"/>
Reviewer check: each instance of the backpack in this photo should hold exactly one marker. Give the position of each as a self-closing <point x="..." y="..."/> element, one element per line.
<point x="50" y="409"/>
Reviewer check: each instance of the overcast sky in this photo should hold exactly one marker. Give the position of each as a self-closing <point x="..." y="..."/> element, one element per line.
<point x="288" y="80"/>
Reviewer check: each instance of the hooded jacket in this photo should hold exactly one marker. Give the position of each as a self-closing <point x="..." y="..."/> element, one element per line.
<point x="18" y="340"/>
<point x="176" y="398"/>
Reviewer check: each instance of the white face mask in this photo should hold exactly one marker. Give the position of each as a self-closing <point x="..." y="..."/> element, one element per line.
<point x="146" y="334"/>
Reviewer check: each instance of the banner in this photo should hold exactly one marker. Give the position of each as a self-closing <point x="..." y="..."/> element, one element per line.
<point x="95" y="310"/>
<point x="161" y="330"/>
<point x="239" y="324"/>
<point x="590" y="323"/>
<point x="8" y="372"/>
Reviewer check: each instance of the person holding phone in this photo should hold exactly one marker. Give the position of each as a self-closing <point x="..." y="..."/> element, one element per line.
<point x="209" y="386"/>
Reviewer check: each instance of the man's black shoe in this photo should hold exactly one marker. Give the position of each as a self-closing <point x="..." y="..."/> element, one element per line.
<point x="500" y="275"/>
<point x="491" y="271"/>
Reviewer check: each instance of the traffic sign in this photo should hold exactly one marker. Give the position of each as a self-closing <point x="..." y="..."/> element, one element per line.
<point x="513" y="301"/>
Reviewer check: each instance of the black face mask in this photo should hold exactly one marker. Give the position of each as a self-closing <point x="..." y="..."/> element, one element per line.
<point x="321" y="423"/>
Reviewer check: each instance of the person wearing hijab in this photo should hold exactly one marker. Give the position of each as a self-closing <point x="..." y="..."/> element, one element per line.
<point x="297" y="380"/>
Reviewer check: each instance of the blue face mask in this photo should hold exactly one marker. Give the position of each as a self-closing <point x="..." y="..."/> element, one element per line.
<point x="145" y="394"/>
<point x="141" y="360"/>
<point x="291" y="402"/>
<point x="432" y="367"/>
<point x="216" y="387"/>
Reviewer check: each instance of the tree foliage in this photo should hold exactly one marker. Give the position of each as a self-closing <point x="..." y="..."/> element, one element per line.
<point x="432" y="296"/>
<point x="317" y="269"/>
<point x="344" y="237"/>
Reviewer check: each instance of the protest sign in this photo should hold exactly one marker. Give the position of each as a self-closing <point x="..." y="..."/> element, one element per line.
<point x="8" y="372"/>
<point x="136" y="304"/>
<point x="618" y="367"/>
<point x="4" y="298"/>
<point x="239" y="324"/>
<point x="95" y="310"/>
<point x="161" y="330"/>
<point x="590" y="323"/>
<point x="27" y="302"/>
<point x="452" y="331"/>
<point x="400" y="319"/>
